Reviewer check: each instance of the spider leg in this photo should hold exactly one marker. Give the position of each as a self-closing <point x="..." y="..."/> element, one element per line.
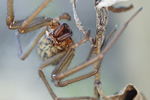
<point x="90" y="54"/>
<point x="97" y="58"/>
<point x="108" y="38"/>
<point x="33" y="15"/>
<point x="46" y="63"/>
<point x="84" y="39"/>
<point x="120" y="9"/>
<point x="10" y="13"/>
<point x="64" y="63"/>
<point x="35" y="24"/>
<point x="23" y="55"/>
<point x="32" y="23"/>
<point x="73" y="70"/>
<point x="16" y="24"/>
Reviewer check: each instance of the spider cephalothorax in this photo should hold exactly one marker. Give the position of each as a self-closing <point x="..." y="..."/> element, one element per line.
<point x="55" y="41"/>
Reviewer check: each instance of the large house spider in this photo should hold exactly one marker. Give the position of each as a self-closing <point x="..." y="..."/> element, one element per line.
<point x="57" y="47"/>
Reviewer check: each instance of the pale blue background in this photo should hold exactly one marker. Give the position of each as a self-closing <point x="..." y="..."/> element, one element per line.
<point x="128" y="61"/>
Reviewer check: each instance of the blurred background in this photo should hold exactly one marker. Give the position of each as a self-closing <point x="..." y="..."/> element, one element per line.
<point x="128" y="61"/>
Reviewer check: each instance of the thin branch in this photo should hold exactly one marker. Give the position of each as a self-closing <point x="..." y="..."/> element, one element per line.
<point x="102" y="20"/>
<point x="77" y="21"/>
<point x="100" y="91"/>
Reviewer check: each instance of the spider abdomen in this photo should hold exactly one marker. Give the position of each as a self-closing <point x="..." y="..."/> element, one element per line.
<point x="46" y="51"/>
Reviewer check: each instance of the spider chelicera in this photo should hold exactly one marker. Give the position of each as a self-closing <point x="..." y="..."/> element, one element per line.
<point x="55" y="46"/>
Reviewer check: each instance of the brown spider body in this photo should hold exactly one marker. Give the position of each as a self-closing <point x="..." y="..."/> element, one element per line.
<point x="55" y="42"/>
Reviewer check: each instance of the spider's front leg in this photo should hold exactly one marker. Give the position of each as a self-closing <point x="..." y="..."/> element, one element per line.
<point x="32" y="23"/>
<point x="27" y="25"/>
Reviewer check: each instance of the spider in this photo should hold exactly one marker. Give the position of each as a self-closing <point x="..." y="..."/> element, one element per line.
<point x="55" y="46"/>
